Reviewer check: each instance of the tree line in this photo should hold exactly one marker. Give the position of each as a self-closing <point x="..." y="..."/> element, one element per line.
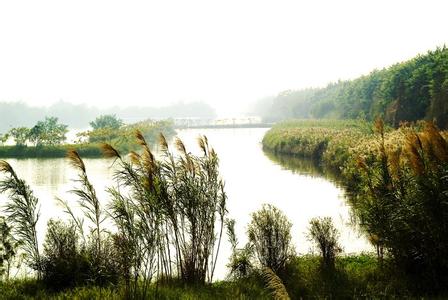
<point x="408" y="91"/>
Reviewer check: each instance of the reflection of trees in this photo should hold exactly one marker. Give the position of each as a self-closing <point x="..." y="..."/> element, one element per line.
<point x="303" y="166"/>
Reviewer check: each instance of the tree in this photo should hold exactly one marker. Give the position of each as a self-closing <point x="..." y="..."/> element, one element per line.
<point x="106" y="121"/>
<point x="20" y="135"/>
<point x="48" y="132"/>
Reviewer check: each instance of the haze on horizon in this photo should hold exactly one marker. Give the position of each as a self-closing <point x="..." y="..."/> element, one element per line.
<point x="227" y="54"/>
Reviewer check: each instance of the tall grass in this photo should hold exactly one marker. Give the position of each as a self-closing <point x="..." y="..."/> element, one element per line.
<point x="22" y="211"/>
<point x="170" y="210"/>
<point x="326" y="141"/>
<point x="396" y="182"/>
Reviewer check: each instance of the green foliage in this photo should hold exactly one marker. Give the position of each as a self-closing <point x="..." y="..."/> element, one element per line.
<point x="48" y="132"/>
<point x="122" y="138"/>
<point x="106" y="121"/>
<point x="4" y="138"/>
<point x="64" y="262"/>
<point x="326" y="141"/>
<point x="354" y="277"/>
<point x="250" y="288"/>
<point x="45" y="133"/>
<point x="409" y="91"/>
<point x="270" y="234"/>
<point x="323" y="233"/>
<point x="8" y="249"/>
<point x="19" y="135"/>
<point x="99" y="247"/>
<point x="56" y="151"/>
<point x="171" y="211"/>
<point x="240" y="264"/>
<point x="396" y="182"/>
<point x="401" y="201"/>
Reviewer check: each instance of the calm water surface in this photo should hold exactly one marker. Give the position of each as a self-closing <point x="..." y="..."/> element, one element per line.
<point x="252" y="178"/>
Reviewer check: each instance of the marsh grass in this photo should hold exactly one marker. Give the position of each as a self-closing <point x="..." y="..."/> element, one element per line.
<point x="170" y="209"/>
<point x="396" y="183"/>
<point x="22" y="211"/>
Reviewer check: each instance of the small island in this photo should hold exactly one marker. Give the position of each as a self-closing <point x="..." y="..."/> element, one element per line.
<point x="47" y="139"/>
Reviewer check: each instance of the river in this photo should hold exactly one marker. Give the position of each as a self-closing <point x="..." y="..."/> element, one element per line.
<point x="251" y="177"/>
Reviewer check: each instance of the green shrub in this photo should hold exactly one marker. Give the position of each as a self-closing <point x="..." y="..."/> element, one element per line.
<point x="270" y="235"/>
<point x="64" y="261"/>
<point x="323" y="233"/>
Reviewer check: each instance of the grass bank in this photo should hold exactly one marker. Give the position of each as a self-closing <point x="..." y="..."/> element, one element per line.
<point x="325" y="141"/>
<point x="395" y="181"/>
<point x="359" y="276"/>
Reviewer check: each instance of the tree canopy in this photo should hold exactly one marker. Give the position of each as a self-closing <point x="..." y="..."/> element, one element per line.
<point x="408" y="91"/>
<point x="48" y="132"/>
<point x="106" y="121"/>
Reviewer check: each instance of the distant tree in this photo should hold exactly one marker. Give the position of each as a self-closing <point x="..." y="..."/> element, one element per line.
<point x="4" y="138"/>
<point x="19" y="135"/>
<point x="48" y="132"/>
<point x="106" y="121"/>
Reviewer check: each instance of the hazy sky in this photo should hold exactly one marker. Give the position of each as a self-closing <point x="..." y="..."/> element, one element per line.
<point x="226" y="53"/>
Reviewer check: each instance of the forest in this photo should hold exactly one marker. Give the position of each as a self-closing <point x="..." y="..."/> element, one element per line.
<point x="408" y="91"/>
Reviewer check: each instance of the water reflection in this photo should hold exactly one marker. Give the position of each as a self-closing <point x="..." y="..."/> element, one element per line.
<point x="303" y="166"/>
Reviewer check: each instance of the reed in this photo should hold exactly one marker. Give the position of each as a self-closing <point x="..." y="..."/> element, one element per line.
<point x="22" y="210"/>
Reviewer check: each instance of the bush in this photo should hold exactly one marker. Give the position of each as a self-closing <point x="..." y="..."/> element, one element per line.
<point x="64" y="262"/>
<point x="325" y="235"/>
<point x="270" y="235"/>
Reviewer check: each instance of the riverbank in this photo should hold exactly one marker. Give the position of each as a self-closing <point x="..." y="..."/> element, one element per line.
<point x="395" y="181"/>
<point x="327" y="142"/>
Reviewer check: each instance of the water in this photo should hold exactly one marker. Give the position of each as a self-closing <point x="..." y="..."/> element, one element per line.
<point x="251" y="177"/>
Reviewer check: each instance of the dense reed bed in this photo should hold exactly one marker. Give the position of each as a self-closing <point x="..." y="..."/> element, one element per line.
<point x="396" y="181"/>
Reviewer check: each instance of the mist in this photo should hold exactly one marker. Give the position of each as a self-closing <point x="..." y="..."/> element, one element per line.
<point x="227" y="55"/>
<point x="18" y="114"/>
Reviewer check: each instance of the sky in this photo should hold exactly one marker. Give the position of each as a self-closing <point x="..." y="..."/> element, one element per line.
<point x="226" y="53"/>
